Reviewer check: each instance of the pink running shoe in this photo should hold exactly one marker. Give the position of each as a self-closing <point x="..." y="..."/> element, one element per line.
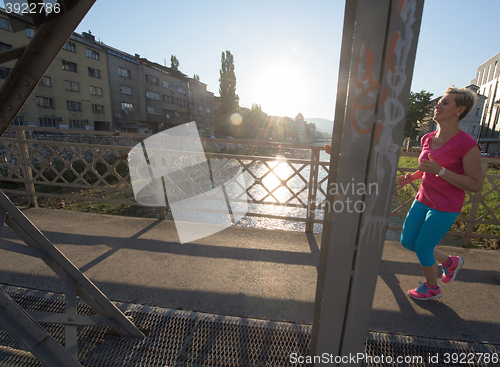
<point x="424" y="292"/>
<point x="451" y="271"/>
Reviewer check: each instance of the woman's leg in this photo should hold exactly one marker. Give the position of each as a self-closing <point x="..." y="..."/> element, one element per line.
<point x="430" y="274"/>
<point x="412" y="225"/>
<point x="440" y="257"/>
<point x="435" y="226"/>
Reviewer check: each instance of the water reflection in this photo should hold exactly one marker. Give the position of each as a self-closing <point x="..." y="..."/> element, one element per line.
<point x="275" y="174"/>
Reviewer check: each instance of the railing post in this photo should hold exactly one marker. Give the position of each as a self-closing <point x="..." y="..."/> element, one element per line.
<point x="474" y="200"/>
<point x="25" y="166"/>
<point x="313" y="189"/>
<point x="161" y="212"/>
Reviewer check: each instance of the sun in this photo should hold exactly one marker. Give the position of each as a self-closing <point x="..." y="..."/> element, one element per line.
<point x="280" y="88"/>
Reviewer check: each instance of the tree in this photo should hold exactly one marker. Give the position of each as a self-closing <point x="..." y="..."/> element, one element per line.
<point x="255" y="122"/>
<point x="419" y="109"/>
<point x="227" y="89"/>
<point x="174" y="63"/>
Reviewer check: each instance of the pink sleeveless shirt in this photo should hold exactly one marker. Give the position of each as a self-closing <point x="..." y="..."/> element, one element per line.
<point x="434" y="191"/>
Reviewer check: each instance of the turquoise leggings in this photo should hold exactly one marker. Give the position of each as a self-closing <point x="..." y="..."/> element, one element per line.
<point x="424" y="227"/>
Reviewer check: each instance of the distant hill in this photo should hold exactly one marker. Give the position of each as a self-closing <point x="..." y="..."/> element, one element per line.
<point x="323" y="125"/>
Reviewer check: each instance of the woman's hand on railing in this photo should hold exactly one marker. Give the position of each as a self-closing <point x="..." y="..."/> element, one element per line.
<point x="328" y="148"/>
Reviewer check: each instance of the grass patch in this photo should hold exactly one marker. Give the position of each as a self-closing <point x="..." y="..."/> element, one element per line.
<point x="408" y="162"/>
<point x="108" y="208"/>
<point x="89" y="206"/>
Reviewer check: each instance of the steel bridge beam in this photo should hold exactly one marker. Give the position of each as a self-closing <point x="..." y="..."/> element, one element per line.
<point x="52" y="32"/>
<point x="376" y="67"/>
<point x="76" y="284"/>
<point x="33" y="60"/>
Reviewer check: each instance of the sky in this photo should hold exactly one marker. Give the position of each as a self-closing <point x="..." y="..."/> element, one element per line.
<point x="286" y="52"/>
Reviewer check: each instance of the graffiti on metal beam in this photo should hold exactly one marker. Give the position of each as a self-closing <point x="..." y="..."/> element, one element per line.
<point x="386" y="149"/>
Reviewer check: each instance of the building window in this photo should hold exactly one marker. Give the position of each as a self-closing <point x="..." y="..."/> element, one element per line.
<point x="76" y="124"/>
<point x="68" y="65"/>
<point x="92" y="54"/>
<point x="47" y="122"/>
<point x="208" y="99"/>
<point x="5" y="46"/>
<point x="488" y="75"/>
<point x="4" y="24"/>
<point x="72" y="86"/>
<point x="70" y="46"/>
<point x="181" y="102"/>
<point x="154" y="110"/>
<point x="168" y="85"/>
<point x="179" y="88"/>
<point x="124" y="72"/>
<point x="153" y="95"/>
<point x="97" y="108"/>
<point x="200" y="108"/>
<point x="473" y="130"/>
<point x="495" y="69"/>
<point x="477" y="111"/>
<point x="96" y="91"/>
<point x="168" y="99"/>
<point x="125" y="90"/>
<point x="74" y="106"/>
<point x="209" y="110"/>
<point x="45" y="102"/>
<point x="94" y="73"/>
<point x="18" y="121"/>
<point x="45" y="82"/>
<point x="30" y="32"/>
<point x="152" y="79"/>
<point x="127" y="106"/>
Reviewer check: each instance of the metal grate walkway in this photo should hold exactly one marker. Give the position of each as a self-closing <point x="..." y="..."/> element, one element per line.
<point x="184" y="338"/>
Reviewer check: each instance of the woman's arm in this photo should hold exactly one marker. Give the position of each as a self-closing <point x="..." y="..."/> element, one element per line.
<point x="473" y="178"/>
<point x="410" y="177"/>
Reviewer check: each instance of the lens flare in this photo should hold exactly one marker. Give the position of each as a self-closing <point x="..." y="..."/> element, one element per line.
<point x="236" y="119"/>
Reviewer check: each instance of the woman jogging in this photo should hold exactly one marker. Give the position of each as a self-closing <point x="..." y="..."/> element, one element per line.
<point x="450" y="163"/>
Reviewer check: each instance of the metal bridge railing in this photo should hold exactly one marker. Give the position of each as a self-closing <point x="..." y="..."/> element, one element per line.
<point x="295" y="180"/>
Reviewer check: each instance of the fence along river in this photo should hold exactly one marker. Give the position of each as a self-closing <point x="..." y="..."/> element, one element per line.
<point x="281" y="194"/>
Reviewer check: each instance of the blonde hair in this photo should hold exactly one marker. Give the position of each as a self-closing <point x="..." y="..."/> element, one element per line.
<point x="463" y="97"/>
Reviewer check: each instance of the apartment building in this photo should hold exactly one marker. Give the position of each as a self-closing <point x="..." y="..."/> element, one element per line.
<point x="127" y="108"/>
<point x="74" y="92"/>
<point x="202" y="107"/>
<point x="487" y="81"/>
<point x="93" y="86"/>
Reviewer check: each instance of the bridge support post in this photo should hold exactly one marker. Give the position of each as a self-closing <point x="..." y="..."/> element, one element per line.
<point x="376" y="68"/>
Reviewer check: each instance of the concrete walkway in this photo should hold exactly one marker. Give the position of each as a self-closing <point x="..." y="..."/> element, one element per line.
<point x="254" y="273"/>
